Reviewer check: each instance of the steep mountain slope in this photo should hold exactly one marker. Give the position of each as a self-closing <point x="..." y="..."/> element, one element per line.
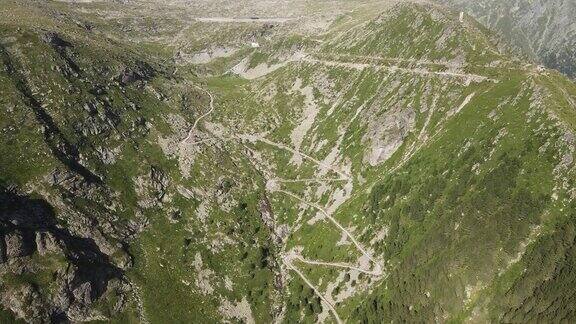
<point x="441" y="143"/>
<point x="85" y="121"/>
<point x="543" y="30"/>
<point x="394" y="165"/>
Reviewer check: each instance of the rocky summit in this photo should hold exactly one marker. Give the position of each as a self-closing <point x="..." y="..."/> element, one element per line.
<point x="333" y="161"/>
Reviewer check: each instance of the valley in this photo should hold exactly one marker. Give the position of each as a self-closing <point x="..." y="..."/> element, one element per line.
<point x="280" y="162"/>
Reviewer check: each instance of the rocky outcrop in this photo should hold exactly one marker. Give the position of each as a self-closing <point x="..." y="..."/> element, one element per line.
<point x="61" y="147"/>
<point x="33" y="244"/>
<point x="25" y="302"/>
<point x="279" y="231"/>
<point x="47" y="243"/>
<point x="55" y="40"/>
<point x="138" y="74"/>
<point x="63" y="48"/>
<point x="16" y="246"/>
<point x="387" y="133"/>
<point x="152" y="188"/>
<point x="278" y="236"/>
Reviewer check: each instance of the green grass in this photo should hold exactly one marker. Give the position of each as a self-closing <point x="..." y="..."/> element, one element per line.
<point x="456" y="212"/>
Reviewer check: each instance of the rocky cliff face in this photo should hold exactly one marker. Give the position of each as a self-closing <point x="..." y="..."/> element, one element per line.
<point x="68" y="273"/>
<point x="64" y="244"/>
<point x="543" y="30"/>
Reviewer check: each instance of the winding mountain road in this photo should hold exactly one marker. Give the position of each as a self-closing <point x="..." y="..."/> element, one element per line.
<point x="377" y="272"/>
<point x="254" y="138"/>
<point x="319" y="180"/>
<point x="289" y="257"/>
<point x="334" y="221"/>
<point x="394" y="68"/>
<point x="197" y="121"/>
<point x="288" y="262"/>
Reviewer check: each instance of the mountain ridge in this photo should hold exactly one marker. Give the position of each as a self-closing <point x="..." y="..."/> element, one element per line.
<point x="318" y="176"/>
<point x="541" y="31"/>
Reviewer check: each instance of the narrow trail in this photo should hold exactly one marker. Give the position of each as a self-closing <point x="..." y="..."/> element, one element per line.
<point x="309" y="58"/>
<point x="394" y="68"/>
<point x="289" y="257"/>
<point x="376" y="273"/>
<point x="318" y="180"/>
<point x="289" y="264"/>
<point x="197" y="121"/>
<point x="334" y="221"/>
<point x="253" y="138"/>
<point x="254" y="20"/>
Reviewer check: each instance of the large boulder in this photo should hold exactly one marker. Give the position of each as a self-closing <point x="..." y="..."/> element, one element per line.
<point x="46" y="243"/>
<point x="55" y="40"/>
<point x="16" y="246"/>
<point x="83" y="293"/>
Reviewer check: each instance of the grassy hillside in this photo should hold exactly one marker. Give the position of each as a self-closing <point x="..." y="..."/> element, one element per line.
<point x="396" y="166"/>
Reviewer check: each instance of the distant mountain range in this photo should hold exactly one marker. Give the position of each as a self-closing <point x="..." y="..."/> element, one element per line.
<point x="543" y="30"/>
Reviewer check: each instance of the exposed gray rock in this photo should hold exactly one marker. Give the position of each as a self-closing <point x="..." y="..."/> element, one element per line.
<point x="83" y="293"/>
<point x="107" y="156"/>
<point x="15" y="245"/>
<point x="139" y="73"/>
<point x="174" y="215"/>
<point x="25" y="302"/>
<point x="90" y="108"/>
<point x="28" y="226"/>
<point x="269" y="220"/>
<point x="56" y="40"/>
<point x="152" y="188"/>
<point x="386" y="133"/>
<point x="47" y="243"/>
<point x="159" y="182"/>
<point x="138" y="223"/>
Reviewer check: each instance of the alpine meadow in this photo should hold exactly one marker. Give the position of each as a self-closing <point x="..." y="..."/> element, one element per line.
<point x="273" y="161"/>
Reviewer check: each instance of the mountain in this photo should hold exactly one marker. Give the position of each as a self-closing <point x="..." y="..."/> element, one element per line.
<point x="368" y="162"/>
<point x="544" y="31"/>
